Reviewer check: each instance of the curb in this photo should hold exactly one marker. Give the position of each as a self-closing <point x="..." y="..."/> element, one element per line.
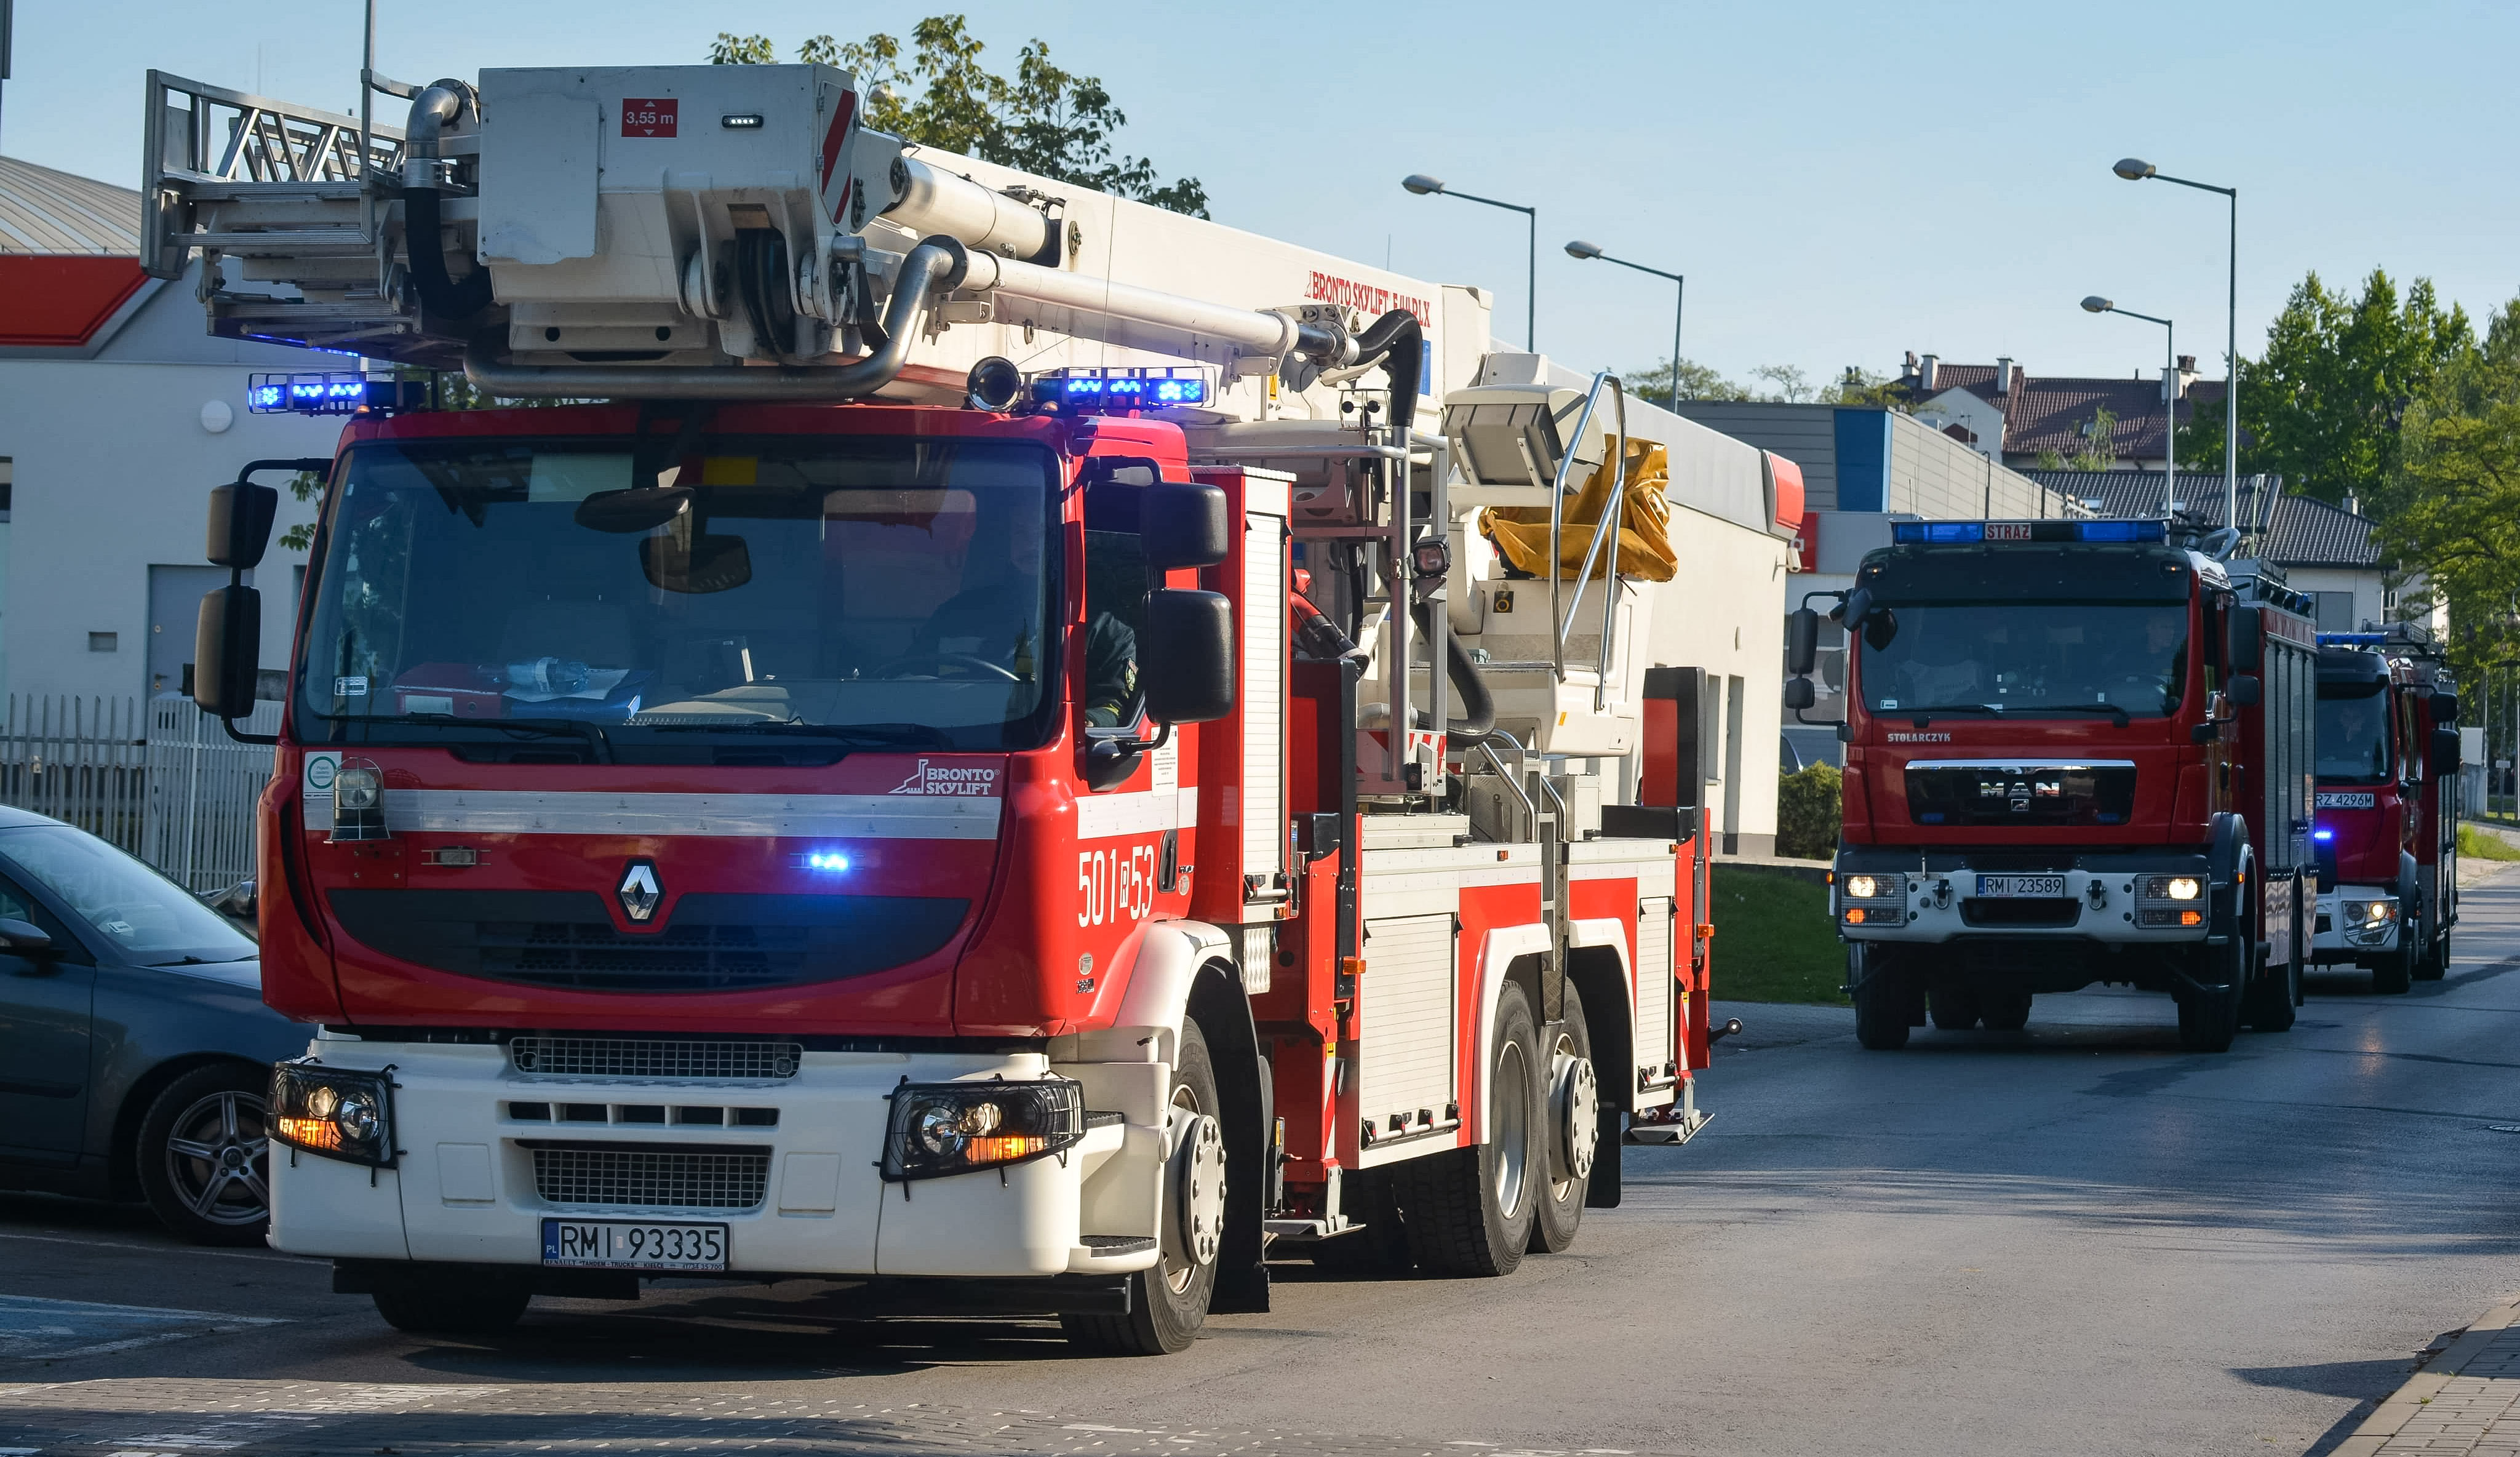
<point x="2423" y="1386"/>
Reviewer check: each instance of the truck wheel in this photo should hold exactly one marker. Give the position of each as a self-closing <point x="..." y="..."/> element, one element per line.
<point x="1955" y="1009"/>
<point x="1883" y="998"/>
<point x="2273" y="994"/>
<point x="2209" y="1021"/>
<point x="442" y="1303"/>
<point x="204" y="1157"/>
<point x="2436" y="961"/>
<point x="1573" y="1129"/>
<point x="1469" y="1212"/>
<point x="2005" y="1012"/>
<point x="1168" y="1302"/>
<point x="1380" y="1249"/>
<point x="2394" y="973"/>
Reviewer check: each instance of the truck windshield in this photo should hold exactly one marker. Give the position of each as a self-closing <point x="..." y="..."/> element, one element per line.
<point x="2025" y="657"/>
<point x="2354" y="734"/>
<point x="855" y="591"/>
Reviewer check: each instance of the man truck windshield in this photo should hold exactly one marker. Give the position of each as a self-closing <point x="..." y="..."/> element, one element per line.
<point x="866" y="592"/>
<point x="2015" y="657"/>
<point x="2354" y="734"/>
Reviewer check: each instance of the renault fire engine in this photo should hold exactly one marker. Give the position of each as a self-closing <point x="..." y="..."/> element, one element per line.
<point x="2077" y="752"/>
<point x="940" y="759"/>
<point x="2386" y="837"/>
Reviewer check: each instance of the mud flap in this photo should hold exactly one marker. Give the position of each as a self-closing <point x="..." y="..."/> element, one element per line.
<point x="1603" y="1192"/>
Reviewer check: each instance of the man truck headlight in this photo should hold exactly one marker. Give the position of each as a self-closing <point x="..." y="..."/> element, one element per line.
<point x="1862" y="888"/>
<point x="335" y="1113"/>
<point x="2367" y="923"/>
<point x="2172" y="888"/>
<point x="941" y="1129"/>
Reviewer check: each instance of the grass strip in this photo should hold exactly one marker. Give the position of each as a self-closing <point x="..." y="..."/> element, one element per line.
<point x="1773" y="940"/>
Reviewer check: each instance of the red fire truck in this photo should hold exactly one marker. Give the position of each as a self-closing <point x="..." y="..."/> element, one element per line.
<point x="2387" y="835"/>
<point x="852" y="806"/>
<point x="2077" y="752"/>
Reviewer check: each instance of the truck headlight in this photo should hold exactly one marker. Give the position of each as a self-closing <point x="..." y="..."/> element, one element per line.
<point x="333" y="1112"/>
<point x="2171" y="887"/>
<point x="2367" y="923"/>
<point x="1862" y="888"/>
<point x="940" y="1128"/>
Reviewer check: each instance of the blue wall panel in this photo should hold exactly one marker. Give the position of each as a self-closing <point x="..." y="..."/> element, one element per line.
<point x="1863" y="460"/>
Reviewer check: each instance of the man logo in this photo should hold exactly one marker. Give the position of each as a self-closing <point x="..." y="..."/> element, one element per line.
<point x="640" y="890"/>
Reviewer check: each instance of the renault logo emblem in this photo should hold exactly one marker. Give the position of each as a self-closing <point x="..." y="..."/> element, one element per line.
<point x="640" y="890"/>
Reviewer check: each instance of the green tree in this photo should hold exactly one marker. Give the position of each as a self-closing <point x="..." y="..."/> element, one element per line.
<point x="2325" y="405"/>
<point x="2450" y="510"/>
<point x="1863" y="386"/>
<point x="1696" y="382"/>
<point x="1044" y="119"/>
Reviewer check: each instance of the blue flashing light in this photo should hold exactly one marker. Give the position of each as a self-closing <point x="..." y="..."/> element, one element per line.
<point x="2353" y="639"/>
<point x="1121" y="389"/>
<point x="2124" y="531"/>
<point x="831" y="860"/>
<point x="2322" y="835"/>
<point x="1945" y="533"/>
<point x="330" y="393"/>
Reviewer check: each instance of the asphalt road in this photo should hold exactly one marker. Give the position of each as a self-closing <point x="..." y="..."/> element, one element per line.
<point x="2073" y="1239"/>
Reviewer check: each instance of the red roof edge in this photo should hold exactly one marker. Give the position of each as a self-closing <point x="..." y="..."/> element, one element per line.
<point x="60" y="300"/>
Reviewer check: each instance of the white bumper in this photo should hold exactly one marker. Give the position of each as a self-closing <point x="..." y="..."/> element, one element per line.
<point x="2333" y="938"/>
<point x="465" y="1185"/>
<point x="1919" y="907"/>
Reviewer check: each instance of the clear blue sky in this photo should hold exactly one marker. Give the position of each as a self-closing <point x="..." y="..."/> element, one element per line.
<point x="1841" y="182"/>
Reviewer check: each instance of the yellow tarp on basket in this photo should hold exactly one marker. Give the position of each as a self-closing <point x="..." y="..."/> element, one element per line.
<point x="1521" y="533"/>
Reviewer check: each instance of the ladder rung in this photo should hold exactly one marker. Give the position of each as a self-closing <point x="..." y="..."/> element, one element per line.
<point x="291" y="239"/>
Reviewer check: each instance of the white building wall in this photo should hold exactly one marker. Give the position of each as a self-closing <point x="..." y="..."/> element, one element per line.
<point x="1724" y="612"/>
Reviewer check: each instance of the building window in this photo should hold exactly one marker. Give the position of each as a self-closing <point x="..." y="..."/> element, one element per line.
<point x="104" y="641"/>
<point x="2335" y="611"/>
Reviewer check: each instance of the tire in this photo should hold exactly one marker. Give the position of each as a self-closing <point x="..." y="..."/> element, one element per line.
<point x="203" y="1157"/>
<point x="1881" y="1002"/>
<point x="2208" y="1022"/>
<point x="445" y="1303"/>
<point x="1168" y="1301"/>
<point x="2394" y="975"/>
<point x="1469" y="1211"/>
<point x="1954" y="1009"/>
<point x="1561" y="1188"/>
<point x="2273" y="997"/>
<point x="2005" y="1012"/>
<point x="2436" y="960"/>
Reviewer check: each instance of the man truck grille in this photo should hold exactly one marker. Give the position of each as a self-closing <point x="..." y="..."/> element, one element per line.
<point x="670" y="1176"/>
<point x="567" y="939"/>
<point x="634" y="1056"/>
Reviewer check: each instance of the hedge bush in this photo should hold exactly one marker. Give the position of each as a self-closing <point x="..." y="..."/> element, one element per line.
<point x="1807" y="811"/>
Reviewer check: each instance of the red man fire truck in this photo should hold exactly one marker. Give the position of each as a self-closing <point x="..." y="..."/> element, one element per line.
<point x="826" y="798"/>
<point x="2386" y="837"/>
<point x="2077" y="752"/>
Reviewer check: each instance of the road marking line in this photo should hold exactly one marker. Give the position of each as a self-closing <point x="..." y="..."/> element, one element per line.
<point x="183" y="1249"/>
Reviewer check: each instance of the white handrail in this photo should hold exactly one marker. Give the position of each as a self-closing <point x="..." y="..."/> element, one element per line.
<point x="1565" y="623"/>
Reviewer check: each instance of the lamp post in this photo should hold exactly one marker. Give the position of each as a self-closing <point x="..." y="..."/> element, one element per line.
<point x="1425" y="186"/>
<point x="1579" y="248"/>
<point x="2169" y="395"/>
<point x="2135" y="169"/>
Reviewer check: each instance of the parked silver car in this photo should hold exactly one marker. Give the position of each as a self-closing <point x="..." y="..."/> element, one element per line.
<point x="135" y="1050"/>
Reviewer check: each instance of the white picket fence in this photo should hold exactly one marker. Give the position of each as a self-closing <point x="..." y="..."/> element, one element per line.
<point x="160" y="779"/>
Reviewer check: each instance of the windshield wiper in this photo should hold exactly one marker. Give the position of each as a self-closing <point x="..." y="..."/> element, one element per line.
<point x="2114" y="710"/>
<point x="1921" y="717"/>
<point x="856" y="735"/>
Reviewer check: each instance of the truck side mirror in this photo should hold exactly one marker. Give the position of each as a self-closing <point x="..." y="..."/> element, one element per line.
<point x="2441" y="760"/>
<point x="1183" y="524"/>
<point x="240" y="518"/>
<point x="1186" y="656"/>
<point x="226" y="646"/>
<point x="1802" y="642"/>
<point x="2242" y="692"/>
<point x="2445" y="705"/>
<point x="1799" y="693"/>
<point x="1857" y="607"/>
<point x="2246" y="649"/>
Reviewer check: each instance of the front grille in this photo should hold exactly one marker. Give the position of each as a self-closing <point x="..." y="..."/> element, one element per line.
<point x="567" y="939"/>
<point x="2039" y="911"/>
<point x="640" y="1056"/>
<point x="673" y="1176"/>
<point x="1969" y="791"/>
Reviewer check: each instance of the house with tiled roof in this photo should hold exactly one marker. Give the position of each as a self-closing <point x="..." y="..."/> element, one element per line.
<point x="2009" y="415"/>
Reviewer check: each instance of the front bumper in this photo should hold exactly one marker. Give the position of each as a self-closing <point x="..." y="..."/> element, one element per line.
<point x="2098" y="904"/>
<point x="465" y="1187"/>
<point x="2335" y="940"/>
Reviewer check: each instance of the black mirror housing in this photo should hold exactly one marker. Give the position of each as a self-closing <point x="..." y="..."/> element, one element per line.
<point x="1802" y="642"/>
<point x="1183" y="524"/>
<point x="2243" y="692"/>
<point x="24" y="939"/>
<point x="2441" y="760"/>
<point x="1857" y="607"/>
<point x="1799" y="693"/>
<point x="1186" y="656"/>
<point x="2246" y="650"/>
<point x="2445" y="705"/>
<point x="240" y="518"/>
<point x="227" y="645"/>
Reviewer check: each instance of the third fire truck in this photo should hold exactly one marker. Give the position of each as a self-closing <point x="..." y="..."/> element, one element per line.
<point x="2387" y="834"/>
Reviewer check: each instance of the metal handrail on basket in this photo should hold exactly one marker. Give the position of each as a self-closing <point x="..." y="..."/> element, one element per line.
<point x="1562" y="625"/>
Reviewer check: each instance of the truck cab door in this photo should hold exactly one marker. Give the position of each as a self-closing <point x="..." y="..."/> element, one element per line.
<point x="46" y="1004"/>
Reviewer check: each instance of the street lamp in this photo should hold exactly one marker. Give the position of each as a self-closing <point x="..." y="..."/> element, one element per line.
<point x="1579" y="248"/>
<point x="2135" y="169"/>
<point x="1425" y="186"/>
<point x="2095" y="305"/>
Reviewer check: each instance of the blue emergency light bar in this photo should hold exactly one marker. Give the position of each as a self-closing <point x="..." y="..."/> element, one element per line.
<point x="1950" y="533"/>
<point x="332" y="393"/>
<point x="2353" y="639"/>
<point x="1096" y="389"/>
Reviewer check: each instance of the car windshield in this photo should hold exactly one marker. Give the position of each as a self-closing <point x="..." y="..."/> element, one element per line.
<point x="2354" y="734"/>
<point x="145" y="915"/>
<point x="861" y="591"/>
<point x="2017" y="656"/>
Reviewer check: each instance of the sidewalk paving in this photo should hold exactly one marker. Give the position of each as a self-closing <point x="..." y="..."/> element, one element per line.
<point x="2463" y="1403"/>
